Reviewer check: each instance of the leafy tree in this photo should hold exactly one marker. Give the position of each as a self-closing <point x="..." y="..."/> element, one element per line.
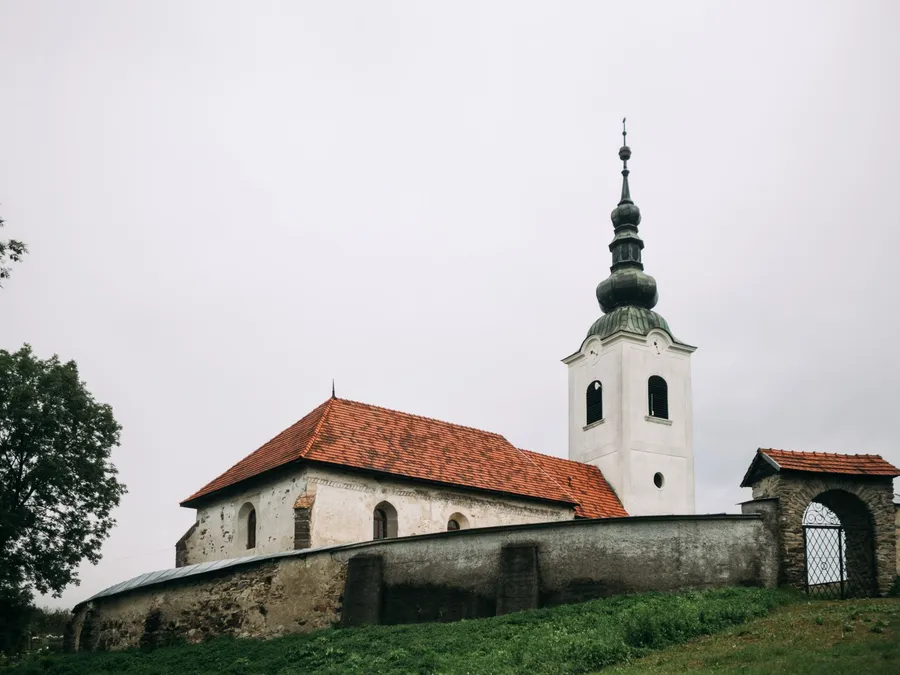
<point x="11" y="250"/>
<point x="15" y="615"/>
<point x="57" y="484"/>
<point x="48" y="621"/>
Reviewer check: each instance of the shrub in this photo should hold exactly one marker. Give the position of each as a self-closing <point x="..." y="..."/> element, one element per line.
<point x="894" y="591"/>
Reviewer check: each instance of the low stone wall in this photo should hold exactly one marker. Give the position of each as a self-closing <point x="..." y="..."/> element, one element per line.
<point x="437" y="577"/>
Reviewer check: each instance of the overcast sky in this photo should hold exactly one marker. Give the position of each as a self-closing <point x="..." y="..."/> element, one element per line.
<point x="229" y="203"/>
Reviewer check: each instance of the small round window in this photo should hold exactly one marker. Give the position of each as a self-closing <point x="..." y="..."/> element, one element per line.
<point x="659" y="480"/>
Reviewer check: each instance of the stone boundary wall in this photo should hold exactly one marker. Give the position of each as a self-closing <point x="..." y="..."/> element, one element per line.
<point x="436" y="577"/>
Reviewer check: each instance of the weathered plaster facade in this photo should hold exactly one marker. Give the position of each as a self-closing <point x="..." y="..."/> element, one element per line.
<point x="629" y="446"/>
<point x="340" y="511"/>
<point x="859" y="502"/>
<point x="345" y="503"/>
<point x="220" y="532"/>
<point x="436" y="577"/>
<point x="261" y="600"/>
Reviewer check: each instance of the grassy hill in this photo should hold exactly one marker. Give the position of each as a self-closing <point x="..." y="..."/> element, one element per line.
<point x="812" y="638"/>
<point x="636" y="631"/>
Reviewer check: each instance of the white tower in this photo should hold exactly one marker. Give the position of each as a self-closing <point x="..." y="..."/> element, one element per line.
<point x="630" y="408"/>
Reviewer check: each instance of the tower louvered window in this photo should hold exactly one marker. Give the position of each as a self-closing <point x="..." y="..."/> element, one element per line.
<point x="594" y="398"/>
<point x="658" y="395"/>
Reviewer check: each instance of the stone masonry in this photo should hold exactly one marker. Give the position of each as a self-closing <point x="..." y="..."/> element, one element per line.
<point x="859" y="501"/>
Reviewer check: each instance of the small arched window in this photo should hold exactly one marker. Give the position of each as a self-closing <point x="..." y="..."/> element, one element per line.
<point x="384" y="521"/>
<point x="251" y="529"/>
<point x="380" y="524"/>
<point x="457" y="521"/>
<point x="594" y="399"/>
<point x="658" y="397"/>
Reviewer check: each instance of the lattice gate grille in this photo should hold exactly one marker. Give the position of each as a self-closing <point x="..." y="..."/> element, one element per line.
<point x="840" y="561"/>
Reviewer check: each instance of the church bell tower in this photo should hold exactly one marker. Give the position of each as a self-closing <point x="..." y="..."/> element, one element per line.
<point x="630" y="410"/>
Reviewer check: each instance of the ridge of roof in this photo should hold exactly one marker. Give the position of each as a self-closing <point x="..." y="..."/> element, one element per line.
<point x="816" y="453"/>
<point x="820" y="462"/>
<point x="315" y="434"/>
<point x="812" y="454"/>
<point x="425" y="418"/>
<point x="221" y="481"/>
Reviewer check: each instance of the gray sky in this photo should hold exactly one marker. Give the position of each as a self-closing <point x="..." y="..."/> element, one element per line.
<point x="230" y="203"/>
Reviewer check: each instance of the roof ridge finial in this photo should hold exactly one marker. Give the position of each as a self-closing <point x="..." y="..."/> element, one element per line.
<point x="625" y="155"/>
<point x="332" y="388"/>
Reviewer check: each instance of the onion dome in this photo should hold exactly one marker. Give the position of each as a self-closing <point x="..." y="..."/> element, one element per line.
<point x="627" y="285"/>
<point x="628" y="295"/>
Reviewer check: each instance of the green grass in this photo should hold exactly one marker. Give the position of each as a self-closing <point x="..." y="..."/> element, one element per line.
<point x="569" y="639"/>
<point x="814" y="638"/>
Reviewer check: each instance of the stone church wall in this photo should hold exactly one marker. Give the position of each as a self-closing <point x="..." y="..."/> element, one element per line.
<point x="341" y="512"/>
<point x="436" y="577"/>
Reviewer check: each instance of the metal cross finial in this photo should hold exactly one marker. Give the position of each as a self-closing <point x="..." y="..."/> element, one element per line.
<point x="624" y="151"/>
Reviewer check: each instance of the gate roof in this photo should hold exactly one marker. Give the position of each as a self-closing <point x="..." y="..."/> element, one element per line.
<point x="768" y="461"/>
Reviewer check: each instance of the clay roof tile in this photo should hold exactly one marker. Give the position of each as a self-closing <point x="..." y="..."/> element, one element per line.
<point x="826" y="462"/>
<point x="362" y="436"/>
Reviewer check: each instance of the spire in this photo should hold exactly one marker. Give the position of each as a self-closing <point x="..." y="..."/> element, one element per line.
<point x="625" y="155"/>
<point x="332" y="388"/>
<point x="627" y="285"/>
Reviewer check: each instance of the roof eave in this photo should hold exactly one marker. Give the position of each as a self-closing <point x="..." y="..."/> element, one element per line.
<point x="677" y="346"/>
<point x="198" y="500"/>
<point x="760" y="453"/>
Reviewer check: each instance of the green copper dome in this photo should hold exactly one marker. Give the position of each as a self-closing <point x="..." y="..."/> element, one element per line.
<point x="630" y="318"/>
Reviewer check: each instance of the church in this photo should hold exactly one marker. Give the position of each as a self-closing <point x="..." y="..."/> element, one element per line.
<point x="351" y="472"/>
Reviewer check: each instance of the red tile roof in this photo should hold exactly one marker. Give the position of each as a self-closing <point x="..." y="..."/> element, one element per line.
<point x="363" y="436"/>
<point x="585" y="482"/>
<point x="822" y="462"/>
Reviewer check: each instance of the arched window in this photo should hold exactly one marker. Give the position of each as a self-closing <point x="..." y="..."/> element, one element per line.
<point x="251" y="529"/>
<point x="594" y="398"/>
<point x="457" y="521"/>
<point x="658" y="395"/>
<point x="384" y="521"/>
<point x="380" y="521"/>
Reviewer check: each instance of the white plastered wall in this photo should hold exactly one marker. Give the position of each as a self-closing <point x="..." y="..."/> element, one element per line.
<point x="343" y="512"/>
<point x="345" y="503"/>
<point x="221" y="534"/>
<point x="628" y="446"/>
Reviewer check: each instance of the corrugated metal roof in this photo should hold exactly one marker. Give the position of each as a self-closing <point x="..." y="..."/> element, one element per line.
<point x="161" y="576"/>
